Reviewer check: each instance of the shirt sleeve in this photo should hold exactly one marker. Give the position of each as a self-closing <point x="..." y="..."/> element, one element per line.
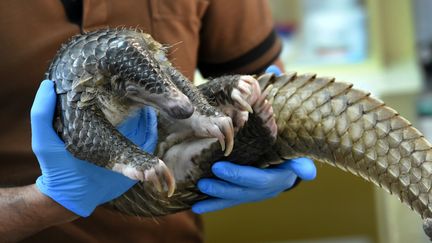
<point x="237" y="37"/>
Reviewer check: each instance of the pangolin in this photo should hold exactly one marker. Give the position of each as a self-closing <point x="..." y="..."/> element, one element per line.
<point x="103" y="76"/>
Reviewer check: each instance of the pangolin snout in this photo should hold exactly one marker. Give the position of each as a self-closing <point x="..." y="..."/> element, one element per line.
<point x="179" y="106"/>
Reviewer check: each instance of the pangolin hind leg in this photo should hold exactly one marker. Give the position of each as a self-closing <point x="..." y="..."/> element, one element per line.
<point x="234" y="95"/>
<point x="237" y="95"/>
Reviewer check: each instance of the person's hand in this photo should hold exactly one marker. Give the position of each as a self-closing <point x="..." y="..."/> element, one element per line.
<point x="76" y="184"/>
<point x="243" y="184"/>
<point x="240" y="184"/>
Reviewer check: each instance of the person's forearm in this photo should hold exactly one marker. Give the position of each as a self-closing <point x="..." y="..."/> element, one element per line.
<point x="25" y="211"/>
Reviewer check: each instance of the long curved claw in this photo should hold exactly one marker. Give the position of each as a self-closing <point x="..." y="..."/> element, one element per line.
<point x="241" y="102"/>
<point x="165" y="173"/>
<point x="217" y="126"/>
<point x="245" y="88"/>
<point x="228" y="131"/>
<point x="159" y="175"/>
<point x="151" y="176"/>
<point x="221" y="139"/>
<point x="222" y="128"/>
<point x="246" y="93"/>
<point x="253" y="87"/>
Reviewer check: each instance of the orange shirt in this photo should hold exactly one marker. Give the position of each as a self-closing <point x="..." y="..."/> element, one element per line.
<point x="217" y="36"/>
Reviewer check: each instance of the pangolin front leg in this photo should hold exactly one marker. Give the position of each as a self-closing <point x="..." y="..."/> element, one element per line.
<point x="206" y="121"/>
<point x="90" y="136"/>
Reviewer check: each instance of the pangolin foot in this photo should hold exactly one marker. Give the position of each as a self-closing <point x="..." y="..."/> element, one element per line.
<point x="203" y="126"/>
<point x="220" y="128"/>
<point x="246" y="93"/>
<point x="159" y="175"/>
<point x="244" y="96"/>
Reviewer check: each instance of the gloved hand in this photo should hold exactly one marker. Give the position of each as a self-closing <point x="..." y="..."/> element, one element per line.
<point x="76" y="184"/>
<point x="242" y="184"/>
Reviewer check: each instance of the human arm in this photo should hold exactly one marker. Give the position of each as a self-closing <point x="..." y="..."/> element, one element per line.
<point x="25" y="211"/>
<point x="66" y="182"/>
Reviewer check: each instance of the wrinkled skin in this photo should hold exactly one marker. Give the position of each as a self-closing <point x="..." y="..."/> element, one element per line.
<point x="233" y="118"/>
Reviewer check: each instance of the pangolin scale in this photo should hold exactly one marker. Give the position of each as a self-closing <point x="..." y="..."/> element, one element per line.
<point x="104" y="76"/>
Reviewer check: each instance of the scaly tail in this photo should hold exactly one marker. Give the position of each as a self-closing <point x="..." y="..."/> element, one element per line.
<point x="331" y="122"/>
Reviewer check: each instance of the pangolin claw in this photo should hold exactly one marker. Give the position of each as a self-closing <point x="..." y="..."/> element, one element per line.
<point x="161" y="177"/>
<point x="246" y="93"/>
<point x="225" y="134"/>
<point x="240" y="101"/>
<point x="150" y="175"/>
<point x="228" y="131"/>
<point x="220" y="127"/>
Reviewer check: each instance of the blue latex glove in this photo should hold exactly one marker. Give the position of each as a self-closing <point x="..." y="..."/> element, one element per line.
<point x="243" y="184"/>
<point x="76" y="184"/>
<point x="273" y="69"/>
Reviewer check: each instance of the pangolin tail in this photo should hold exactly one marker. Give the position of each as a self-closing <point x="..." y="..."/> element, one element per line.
<point x="331" y="122"/>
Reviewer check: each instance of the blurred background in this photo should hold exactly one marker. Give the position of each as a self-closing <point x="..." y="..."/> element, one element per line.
<point x="383" y="46"/>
